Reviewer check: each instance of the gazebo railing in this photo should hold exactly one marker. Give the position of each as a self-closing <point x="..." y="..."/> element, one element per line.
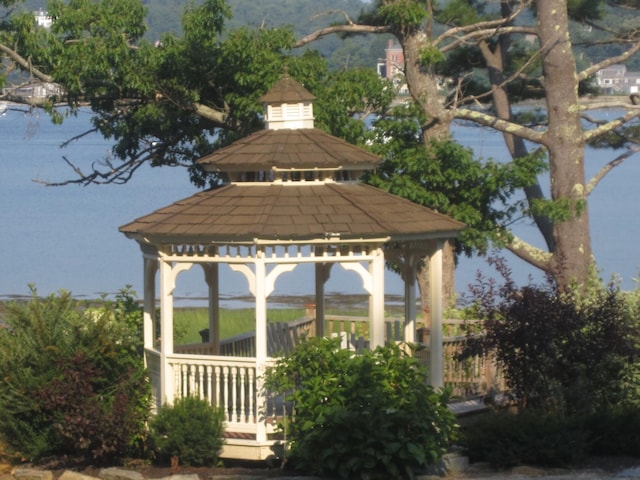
<point x="474" y="376"/>
<point x="226" y="382"/>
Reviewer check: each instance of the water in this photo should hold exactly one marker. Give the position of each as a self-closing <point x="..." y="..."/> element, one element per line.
<point x="68" y="238"/>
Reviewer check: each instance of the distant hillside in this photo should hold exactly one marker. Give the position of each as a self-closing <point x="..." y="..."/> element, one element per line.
<point x="305" y="16"/>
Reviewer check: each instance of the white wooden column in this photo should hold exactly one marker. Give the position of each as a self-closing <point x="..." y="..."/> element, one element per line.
<point x="167" y="283"/>
<point x="410" y="310"/>
<point x="212" y="277"/>
<point x="149" y="306"/>
<point x="261" y="339"/>
<point x="376" y="305"/>
<point x="322" y="270"/>
<point x="436" y="362"/>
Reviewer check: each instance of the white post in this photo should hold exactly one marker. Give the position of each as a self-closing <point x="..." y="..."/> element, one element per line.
<point x="261" y="342"/>
<point x="211" y="273"/>
<point x="149" y="306"/>
<point x="409" y="304"/>
<point x="436" y="363"/>
<point x="167" y="282"/>
<point x="376" y="304"/>
<point x="322" y="271"/>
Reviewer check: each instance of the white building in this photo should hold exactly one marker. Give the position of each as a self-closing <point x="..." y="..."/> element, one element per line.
<point x="617" y="80"/>
<point x="43" y="19"/>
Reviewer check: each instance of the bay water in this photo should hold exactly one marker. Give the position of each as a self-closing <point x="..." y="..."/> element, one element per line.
<point x="67" y="237"/>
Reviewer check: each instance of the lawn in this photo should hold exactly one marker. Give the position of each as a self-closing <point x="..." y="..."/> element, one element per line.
<point x="189" y="321"/>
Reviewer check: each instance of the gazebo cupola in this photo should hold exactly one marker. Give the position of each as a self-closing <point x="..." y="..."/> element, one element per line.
<point x="288" y="105"/>
<point x="290" y="148"/>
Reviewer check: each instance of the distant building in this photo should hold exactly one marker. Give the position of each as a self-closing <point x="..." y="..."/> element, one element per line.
<point x="43" y="19"/>
<point x="34" y="93"/>
<point x="391" y="66"/>
<point x="617" y="80"/>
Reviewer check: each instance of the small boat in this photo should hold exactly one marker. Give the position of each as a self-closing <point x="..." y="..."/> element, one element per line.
<point x="3" y="108"/>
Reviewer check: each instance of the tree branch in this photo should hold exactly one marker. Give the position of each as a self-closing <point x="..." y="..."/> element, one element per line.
<point x="612" y="125"/>
<point x="533" y="255"/>
<point x="586" y="73"/>
<point x="595" y="180"/>
<point x="504" y="126"/>
<point x="355" y="28"/>
<point x="24" y="63"/>
<point x="218" y="117"/>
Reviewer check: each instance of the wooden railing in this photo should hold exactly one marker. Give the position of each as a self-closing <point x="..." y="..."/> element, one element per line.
<point x="471" y="377"/>
<point x="227" y="382"/>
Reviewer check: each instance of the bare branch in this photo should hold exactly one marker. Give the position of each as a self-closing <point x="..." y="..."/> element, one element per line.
<point x="504" y="126"/>
<point x="501" y="24"/>
<point x="111" y="175"/>
<point x="78" y="137"/>
<point x="595" y="180"/>
<point x="331" y="12"/>
<point x="479" y="35"/>
<point x="218" y="117"/>
<point x="323" y="32"/>
<point x="612" y="125"/>
<point x="533" y="255"/>
<point x="586" y="73"/>
<point x="25" y="63"/>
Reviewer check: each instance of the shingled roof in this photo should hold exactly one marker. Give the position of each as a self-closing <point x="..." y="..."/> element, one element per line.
<point x="302" y="149"/>
<point x="290" y="208"/>
<point x="287" y="90"/>
<point x="245" y="212"/>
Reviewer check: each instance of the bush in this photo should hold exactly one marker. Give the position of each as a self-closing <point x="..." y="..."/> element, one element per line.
<point x="507" y="440"/>
<point x="190" y="429"/>
<point x="615" y="431"/>
<point x="73" y="379"/>
<point x="570" y="352"/>
<point x="360" y="416"/>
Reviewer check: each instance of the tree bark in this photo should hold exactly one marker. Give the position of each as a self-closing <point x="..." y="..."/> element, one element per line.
<point x="565" y="143"/>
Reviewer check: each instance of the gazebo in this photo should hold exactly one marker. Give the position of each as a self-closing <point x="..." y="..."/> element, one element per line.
<point x="292" y="198"/>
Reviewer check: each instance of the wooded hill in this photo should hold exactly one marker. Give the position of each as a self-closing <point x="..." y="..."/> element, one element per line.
<point x="304" y="15"/>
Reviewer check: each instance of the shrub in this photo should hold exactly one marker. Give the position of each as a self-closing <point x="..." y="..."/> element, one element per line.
<point x="360" y="416"/>
<point x="190" y="429"/>
<point x="615" y="431"/>
<point x="507" y="440"/>
<point x="73" y="379"/>
<point x="560" y="351"/>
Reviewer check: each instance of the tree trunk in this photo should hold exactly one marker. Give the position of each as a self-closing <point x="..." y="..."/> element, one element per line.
<point x="423" y="87"/>
<point x="448" y="282"/>
<point x="565" y="143"/>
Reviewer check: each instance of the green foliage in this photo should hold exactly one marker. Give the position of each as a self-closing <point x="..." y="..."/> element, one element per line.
<point x="507" y="440"/>
<point x="404" y="16"/>
<point x="533" y="438"/>
<point x="446" y="177"/>
<point x="190" y="429"/>
<point x="73" y="378"/>
<point x="360" y="416"/>
<point x="569" y="351"/>
<point x="615" y="431"/>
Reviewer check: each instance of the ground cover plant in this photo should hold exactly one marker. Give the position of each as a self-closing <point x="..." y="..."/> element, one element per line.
<point x="74" y="382"/>
<point x="366" y="416"/>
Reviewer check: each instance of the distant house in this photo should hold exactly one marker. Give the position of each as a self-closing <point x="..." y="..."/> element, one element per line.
<point x="43" y="19"/>
<point x="617" y="80"/>
<point x="34" y="93"/>
<point x="391" y="66"/>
